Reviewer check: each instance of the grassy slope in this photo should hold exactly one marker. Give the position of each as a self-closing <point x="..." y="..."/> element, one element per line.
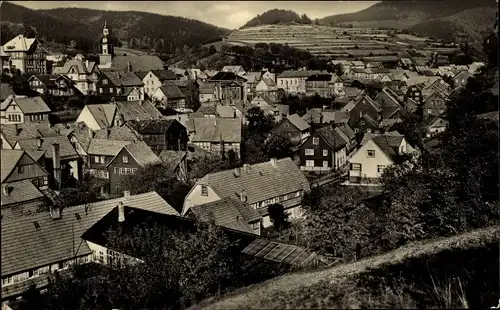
<point x="264" y="295"/>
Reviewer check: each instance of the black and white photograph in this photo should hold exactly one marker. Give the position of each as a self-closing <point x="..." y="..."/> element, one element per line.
<point x="249" y="155"/>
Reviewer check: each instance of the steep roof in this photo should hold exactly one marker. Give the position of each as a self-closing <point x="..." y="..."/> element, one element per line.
<point x="178" y="83"/>
<point x="164" y="74"/>
<point x="389" y="143"/>
<point x="213" y="130"/>
<point x="225" y="111"/>
<point x="123" y="78"/>
<point x="66" y="149"/>
<point x="6" y="91"/>
<point x="105" y="147"/>
<point x="206" y="88"/>
<point x="298" y="122"/>
<point x="10" y="158"/>
<point x="298" y="74"/>
<point x="262" y="181"/>
<point x="138" y="63"/>
<point x="152" y="126"/>
<point x="233" y="69"/>
<point x="124" y="133"/>
<point x="252" y="77"/>
<point x="103" y="113"/>
<point x="20" y="191"/>
<point x="228" y="212"/>
<point x="207" y="109"/>
<point x="227" y="76"/>
<point x="142" y="153"/>
<point x="27" y="105"/>
<point x="172" y="92"/>
<point x="26" y="247"/>
<point x="331" y="137"/>
<point x="346" y="130"/>
<point x="172" y="159"/>
<point x="132" y="110"/>
<point x="79" y="64"/>
<point x="19" y="44"/>
<point x="15" y="132"/>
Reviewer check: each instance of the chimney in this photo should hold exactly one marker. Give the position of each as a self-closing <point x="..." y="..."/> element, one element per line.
<point x="86" y="63"/>
<point x="18" y="130"/>
<point x="237" y="172"/>
<point x="215" y="122"/>
<point x="246" y="168"/>
<point x="39" y="141"/>
<point x="121" y="212"/>
<point x="5" y="190"/>
<point x="56" y="161"/>
<point x="107" y="132"/>
<point x="243" y="196"/>
<point x="129" y="67"/>
<point x="55" y="212"/>
<point x="274" y="162"/>
<point x="91" y="133"/>
<point x="140" y="102"/>
<point x="126" y="194"/>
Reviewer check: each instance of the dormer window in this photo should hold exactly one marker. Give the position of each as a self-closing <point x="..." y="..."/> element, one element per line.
<point x="125" y="159"/>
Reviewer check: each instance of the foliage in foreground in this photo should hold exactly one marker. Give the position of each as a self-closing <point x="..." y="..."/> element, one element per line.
<point x="180" y="268"/>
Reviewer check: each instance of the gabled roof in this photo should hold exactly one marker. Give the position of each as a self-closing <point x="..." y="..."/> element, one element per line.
<point x="207" y="88"/>
<point x="27" y="105"/>
<point x="104" y="114"/>
<point x="15" y="132"/>
<point x="227" y="76"/>
<point x="319" y="77"/>
<point x="252" y="77"/>
<point x="463" y="75"/>
<point x="172" y="159"/>
<point x="298" y="74"/>
<point x="213" y="130"/>
<point x="163" y="75"/>
<point x="10" y="158"/>
<point x="269" y="82"/>
<point x="331" y="137"/>
<point x="65" y="147"/>
<point x="138" y="63"/>
<point x="80" y="65"/>
<point x="152" y="126"/>
<point x="298" y="122"/>
<point x="124" y="133"/>
<point x="19" y="44"/>
<point x="141" y="153"/>
<point x="233" y="69"/>
<point x="207" y="109"/>
<point x="262" y="181"/>
<point x="436" y="122"/>
<point x="227" y="213"/>
<point x="20" y="191"/>
<point x="133" y="110"/>
<point x="178" y="83"/>
<point x="123" y="78"/>
<point x="389" y="142"/>
<point x="49" y="80"/>
<point x="225" y="111"/>
<point x="106" y="147"/>
<point x="346" y="130"/>
<point x="6" y="91"/>
<point x="172" y="92"/>
<point x="25" y="247"/>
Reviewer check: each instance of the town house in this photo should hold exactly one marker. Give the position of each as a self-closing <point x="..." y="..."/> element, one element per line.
<point x="276" y="110"/>
<point x="26" y="55"/>
<point x="54" y="85"/>
<point x="119" y="85"/>
<point x="161" y="134"/>
<point x="154" y="79"/>
<point x="17" y="166"/>
<point x="170" y="96"/>
<point x="176" y="162"/>
<point x="206" y="92"/>
<point x="377" y="152"/>
<point x="20" y="198"/>
<point x="83" y="72"/>
<point x="21" y="109"/>
<point x="215" y="135"/>
<point x="294" y="127"/>
<point x="258" y="185"/>
<point x="434" y="105"/>
<point x="324" y="150"/>
<point x="365" y="114"/>
<point x="229" y="87"/>
<point x="128" y="160"/>
<point x="294" y="82"/>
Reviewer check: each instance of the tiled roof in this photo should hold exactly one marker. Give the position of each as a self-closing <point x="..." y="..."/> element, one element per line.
<point x="164" y="74"/>
<point x="24" y="246"/>
<point x="26" y="131"/>
<point x="141" y="74"/>
<point x="210" y="73"/>
<point x="332" y="138"/>
<point x="105" y="147"/>
<point x="346" y="130"/>
<point x="233" y="69"/>
<point x="206" y="88"/>
<point x="436" y="122"/>
<point x="227" y="76"/>
<point x="50" y="79"/>
<point x="352" y="91"/>
<point x="269" y="82"/>
<point x="314" y="116"/>
<point x="262" y="181"/>
<point x="152" y="126"/>
<point x="142" y="153"/>
<point x="172" y="159"/>
<point x="79" y="64"/>
<point x="138" y="63"/>
<point x="20" y="191"/>
<point x="227" y="212"/>
<point x="6" y="91"/>
<point x="225" y="111"/>
<point x="319" y="77"/>
<point x="124" y="133"/>
<point x="123" y="78"/>
<point x="298" y="74"/>
<point x="298" y="122"/>
<point x="213" y="130"/>
<point x="252" y="77"/>
<point x="35" y="154"/>
<point x="207" y="108"/>
<point x="388" y="143"/>
<point x="103" y="113"/>
<point x="19" y="44"/>
<point x="27" y="105"/>
<point x="10" y="158"/>
<point x="65" y="147"/>
<point x="132" y="110"/>
<point x="178" y="83"/>
<point x="172" y="92"/>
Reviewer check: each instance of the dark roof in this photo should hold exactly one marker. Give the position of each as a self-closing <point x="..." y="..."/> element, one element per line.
<point x="389" y="144"/>
<point x="227" y="76"/>
<point x="164" y="74"/>
<point x="141" y="153"/>
<point x="124" y="78"/>
<point x="132" y="110"/>
<point x="138" y="63"/>
<point x="141" y="74"/>
<point x="6" y="91"/>
<point x="178" y="83"/>
<point x="9" y="158"/>
<point x="331" y="137"/>
<point x="26" y="105"/>
<point x="172" y="92"/>
<point x="319" y="77"/>
<point x="172" y="159"/>
<point x="20" y="191"/>
<point x="66" y="149"/>
<point x="153" y="126"/>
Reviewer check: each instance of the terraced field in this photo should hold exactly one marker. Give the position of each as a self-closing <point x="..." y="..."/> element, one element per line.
<point x="335" y="42"/>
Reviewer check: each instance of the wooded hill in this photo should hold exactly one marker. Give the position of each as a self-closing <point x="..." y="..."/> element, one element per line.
<point x="277" y="16"/>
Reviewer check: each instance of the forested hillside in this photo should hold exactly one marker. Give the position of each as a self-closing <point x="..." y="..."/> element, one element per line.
<point x="277" y="16"/>
<point x="163" y="34"/>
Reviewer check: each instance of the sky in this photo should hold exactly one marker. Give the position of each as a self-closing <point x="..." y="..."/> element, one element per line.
<point x="226" y="14"/>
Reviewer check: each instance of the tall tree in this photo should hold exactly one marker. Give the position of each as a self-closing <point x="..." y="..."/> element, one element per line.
<point x="278" y="216"/>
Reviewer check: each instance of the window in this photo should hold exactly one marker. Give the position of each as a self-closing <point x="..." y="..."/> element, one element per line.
<point x="315" y="141"/>
<point x="96" y="159"/>
<point x="356" y="167"/>
<point x="111" y="89"/>
<point x="370" y="153"/>
<point x="100" y="90"/>
<point x="286" y="125"/>
<point x="297" y="194"/>
<point x="310" y="152"/>
<point x="325" y="152"/>
<point x="361" y="122"/>
<point x="325" y="163"/>
<point x="20" y="169"/>
<point x="204" y="190"/>
<point x="429" y="111"/>
<point x="309" y="163"/>
<point x="380" y="168"/>
<point x="125" y="159"/>
<point x="105" y="81"/>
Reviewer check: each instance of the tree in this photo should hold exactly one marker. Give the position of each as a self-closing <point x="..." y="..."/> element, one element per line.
<point x="258" y="121"/>
<point x="278" y="146"/>
<point x="212" y="50"/>
<point x="278" y="216"/>
<point x="209" y="164"/>
<point x="305" y="20"/>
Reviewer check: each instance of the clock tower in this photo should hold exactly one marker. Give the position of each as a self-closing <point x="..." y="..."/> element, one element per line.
<point x="106" y="49"/>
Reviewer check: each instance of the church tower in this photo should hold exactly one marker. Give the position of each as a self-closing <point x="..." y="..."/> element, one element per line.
<point x="106" y="49"/>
